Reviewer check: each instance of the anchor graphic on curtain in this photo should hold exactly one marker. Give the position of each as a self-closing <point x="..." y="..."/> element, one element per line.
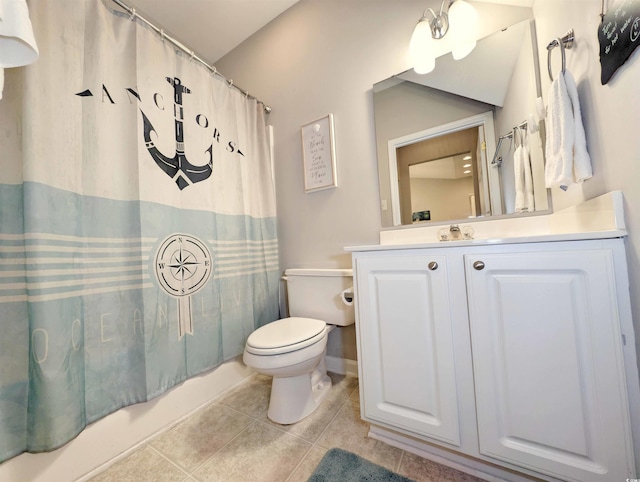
<point x="177" y="167"/>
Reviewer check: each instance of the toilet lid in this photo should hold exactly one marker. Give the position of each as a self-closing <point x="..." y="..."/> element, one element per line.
<point x="285" y="335"/>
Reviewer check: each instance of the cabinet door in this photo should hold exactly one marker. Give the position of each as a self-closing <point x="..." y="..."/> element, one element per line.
<point x="546" y="343"/>
<point x="406" y="346"/>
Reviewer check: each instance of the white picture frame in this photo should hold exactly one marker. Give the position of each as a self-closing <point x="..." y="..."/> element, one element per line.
<point x="318" y="155"/>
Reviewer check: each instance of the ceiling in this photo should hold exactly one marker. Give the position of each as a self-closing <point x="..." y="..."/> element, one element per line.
<point x="212" y="28"/>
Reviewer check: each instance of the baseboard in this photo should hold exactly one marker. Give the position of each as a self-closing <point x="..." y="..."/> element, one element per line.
<point x="118" y="434"/>
<point x="342" y="366"/>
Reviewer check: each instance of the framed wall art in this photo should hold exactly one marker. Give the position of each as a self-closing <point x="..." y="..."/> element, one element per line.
<point x="318" y="155"/>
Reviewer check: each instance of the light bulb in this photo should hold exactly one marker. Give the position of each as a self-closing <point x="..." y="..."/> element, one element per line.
<point x="463" y="24"/>
<point x="420" y="49"/>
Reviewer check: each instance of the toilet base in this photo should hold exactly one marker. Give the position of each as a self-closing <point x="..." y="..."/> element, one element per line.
<point x="293" y="398"/>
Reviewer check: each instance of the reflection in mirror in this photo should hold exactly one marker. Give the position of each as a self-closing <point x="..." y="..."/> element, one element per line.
<point x="434" y="178"/>
<point x="482" y="97"/>
<point x="442" y="172"/>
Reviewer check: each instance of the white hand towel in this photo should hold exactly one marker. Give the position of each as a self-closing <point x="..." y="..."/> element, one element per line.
<point x="581" y="159"/>
<point x="518" y="171"/>
<point x="528" y="180"/>
<point x="17" y="44"/>
<point x="523" y="178"/>
<point x="560" y="136"/>
<point x="566" y="147"/>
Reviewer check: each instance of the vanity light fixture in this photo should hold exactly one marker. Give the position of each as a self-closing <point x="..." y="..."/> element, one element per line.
<point x="463" y="20"/>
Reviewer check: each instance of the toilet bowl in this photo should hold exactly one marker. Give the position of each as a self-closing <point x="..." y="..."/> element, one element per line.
<point x="292" y="350"/>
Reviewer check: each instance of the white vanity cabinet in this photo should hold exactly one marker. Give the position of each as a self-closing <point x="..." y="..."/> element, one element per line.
<point x="406" y="344"/>
<point x="513" y="354"/>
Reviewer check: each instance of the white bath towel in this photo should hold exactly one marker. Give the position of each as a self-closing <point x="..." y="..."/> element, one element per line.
<point x="17" y="43"/>
<point x="567" y="159"/>
<point x="523" y="178"/>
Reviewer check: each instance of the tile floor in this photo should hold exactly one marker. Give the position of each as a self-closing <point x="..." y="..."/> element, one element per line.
<point x="233" y="440"/>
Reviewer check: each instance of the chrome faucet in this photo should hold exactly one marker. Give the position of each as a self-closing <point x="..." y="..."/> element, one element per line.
<point x="454" y="233"/>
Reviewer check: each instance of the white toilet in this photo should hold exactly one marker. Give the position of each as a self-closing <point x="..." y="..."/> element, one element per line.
<point x="292" y="350"/>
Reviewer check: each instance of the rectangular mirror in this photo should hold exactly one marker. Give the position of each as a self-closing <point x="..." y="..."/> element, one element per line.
<point x="432" y="128"/>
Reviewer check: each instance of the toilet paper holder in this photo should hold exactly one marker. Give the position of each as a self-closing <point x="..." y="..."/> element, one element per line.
<point x="347" y="296"/>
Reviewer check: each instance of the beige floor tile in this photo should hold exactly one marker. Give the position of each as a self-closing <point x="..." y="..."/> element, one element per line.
<point x="193" y="441"/>
<point x="144" y="465"/>
<point x="308" y="465"/>
<point x="343" y="386"/>
<point x="251" y="398"/>
<point x="347" y="431"/>
<point x="355" y="395"/>
<point x="232" y="440"/>
<point x="261" y="453"/>
<point x="312" y="426"/>
<point x="423" y="470"/>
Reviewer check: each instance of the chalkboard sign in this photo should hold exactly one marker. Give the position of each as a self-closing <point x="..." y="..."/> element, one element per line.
<point x="318" y="152"/>
<point x="619" y="35"/>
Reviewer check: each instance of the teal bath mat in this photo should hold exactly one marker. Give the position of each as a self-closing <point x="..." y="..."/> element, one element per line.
<point x="341" y="466"/>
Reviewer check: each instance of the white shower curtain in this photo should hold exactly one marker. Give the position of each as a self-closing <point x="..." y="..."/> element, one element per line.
<point x="138" y="240"/>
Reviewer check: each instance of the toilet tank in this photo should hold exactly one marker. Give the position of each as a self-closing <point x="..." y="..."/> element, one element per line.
<point x="317" y="293"/>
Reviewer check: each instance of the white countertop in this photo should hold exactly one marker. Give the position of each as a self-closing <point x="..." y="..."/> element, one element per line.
<point x="598" y="218"/>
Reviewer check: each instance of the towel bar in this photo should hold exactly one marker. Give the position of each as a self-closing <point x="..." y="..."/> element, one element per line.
<point x="497" y="158"/>
<point x="566" y="42"/>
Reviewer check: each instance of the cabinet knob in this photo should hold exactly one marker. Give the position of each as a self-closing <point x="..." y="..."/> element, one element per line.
<point x="433" y="266"/>
<point x="478" y="265"/>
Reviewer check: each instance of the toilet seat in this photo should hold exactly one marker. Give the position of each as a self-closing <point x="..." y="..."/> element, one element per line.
<point x="286" y="335"/>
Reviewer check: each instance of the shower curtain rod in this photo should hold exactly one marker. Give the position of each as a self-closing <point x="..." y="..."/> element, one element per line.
<point x="132" y="12"/>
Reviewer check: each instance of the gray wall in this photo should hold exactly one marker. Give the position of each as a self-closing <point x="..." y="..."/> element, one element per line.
<point x="427" y="194"/>
<point x="323" y="56"/>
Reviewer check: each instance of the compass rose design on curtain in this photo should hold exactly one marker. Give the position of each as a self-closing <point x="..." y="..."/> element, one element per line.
<point x="183" y="267"/>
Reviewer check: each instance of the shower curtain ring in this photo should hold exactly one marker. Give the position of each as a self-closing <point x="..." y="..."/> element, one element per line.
<point x="246" y="94"/>
<point x="192" y="54"/>
<point x="230" y="82"/>
<point x="162" y="34"/>
<point x="133" y="14"/>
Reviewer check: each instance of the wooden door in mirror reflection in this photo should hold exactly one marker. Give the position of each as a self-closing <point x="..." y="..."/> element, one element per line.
<point x="440" y="176"/>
